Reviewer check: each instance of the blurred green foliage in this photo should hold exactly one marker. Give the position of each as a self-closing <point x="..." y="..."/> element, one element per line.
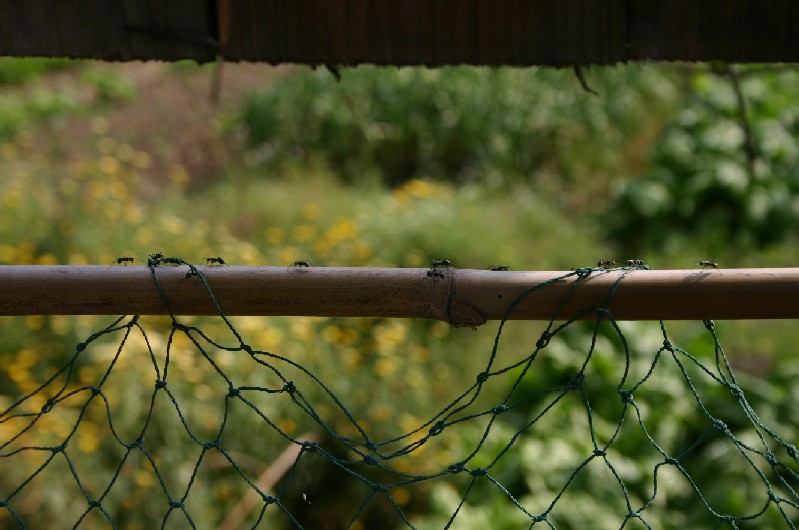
<point x="14" y="71"/>
<point x="490" y="126"/>
<point x="699" y="182"/>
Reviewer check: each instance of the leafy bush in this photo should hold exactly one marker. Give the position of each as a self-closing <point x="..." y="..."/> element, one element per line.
<point x="699" y="181"/>
<point x="461" y="124"/>
<point x="14" y="71"/>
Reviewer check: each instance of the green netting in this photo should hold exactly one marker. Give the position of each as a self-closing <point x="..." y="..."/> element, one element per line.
<point x="494" y="456"/>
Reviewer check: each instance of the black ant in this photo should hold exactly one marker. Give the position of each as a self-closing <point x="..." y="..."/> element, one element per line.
<point x="302" y="263"/>
<point x="605" y="263"/>
<point x="156" y="256"/>
<point x="125" y="260"/>
<point x="706" y="263"/>
<point x="635" y="263"/>
<point x="499" y="268"/>
<point x="171" y="261"/>
<point x="440" y="263"/>
<point x="217" y="261"/>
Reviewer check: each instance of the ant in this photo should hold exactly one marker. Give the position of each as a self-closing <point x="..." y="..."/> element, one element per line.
<point x="606" y="263"/>
<point x="125" y="260"/>
<point x="499" y="268"/>
<point x="635" y="263"/>
<point x="434" y="273"/>
<point x="156" y="256"/>
<point x="217" y="261"/>
<point x="171" y="261"/>
<point x="440" y="263"/>
<point x="192" y="272"/>
<point x="705" y="263"/>
<point x="302" y="263"/>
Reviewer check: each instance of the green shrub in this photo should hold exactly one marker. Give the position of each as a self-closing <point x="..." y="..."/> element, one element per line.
<point x="461" y="124"/>
<point x="699" y="181"/>
<point x="14" y="71"/>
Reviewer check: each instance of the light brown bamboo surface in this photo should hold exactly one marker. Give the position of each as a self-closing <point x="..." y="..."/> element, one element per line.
<point x="463" y="297"/>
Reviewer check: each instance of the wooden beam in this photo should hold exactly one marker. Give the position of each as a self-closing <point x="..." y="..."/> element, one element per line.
<point x="405" y="32"/>
<point x="462" y="297"/>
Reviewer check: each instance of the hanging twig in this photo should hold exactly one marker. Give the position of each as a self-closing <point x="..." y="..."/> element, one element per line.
<point x="750" y="146"/>
<point x="578" y="71"/>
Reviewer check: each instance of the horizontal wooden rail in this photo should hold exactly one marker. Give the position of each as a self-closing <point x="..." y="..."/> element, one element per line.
<point x="463" y="297"/>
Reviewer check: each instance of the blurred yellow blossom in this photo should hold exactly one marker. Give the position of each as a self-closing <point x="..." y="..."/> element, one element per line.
<point x="34" y="322"/>
<point x="106" y="144"/>
<point x="273" y="235"/>
<point x="142" y="160"/>
<point x="304" y="233"/>
<point x="99" y="125"/>
<point x="13" y="199"/>
<point x="311" y="211"/>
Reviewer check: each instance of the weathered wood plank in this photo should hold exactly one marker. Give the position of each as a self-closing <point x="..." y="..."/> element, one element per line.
<point x="405" y="32"/>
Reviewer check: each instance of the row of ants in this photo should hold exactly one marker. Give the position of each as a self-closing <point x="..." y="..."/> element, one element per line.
<point x="605" y="264"/>
<point x="158" y="258"/>
<point x="433" y="272"/>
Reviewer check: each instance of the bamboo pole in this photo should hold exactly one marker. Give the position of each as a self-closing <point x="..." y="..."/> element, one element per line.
<point x="463" y="297"/>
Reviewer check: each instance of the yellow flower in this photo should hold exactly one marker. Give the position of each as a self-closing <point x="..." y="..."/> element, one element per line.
<point x="13" y="199"/>
<point x="311" y="211"/>
<point x="304" y="233"/>
<point x="274" y="235"/>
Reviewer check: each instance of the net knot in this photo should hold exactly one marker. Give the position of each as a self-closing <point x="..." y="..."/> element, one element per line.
<point x="310" y="447"/>
<point x="456" y="468"/>
<point x="543" y="341"/>
<point x="540" y="518"/>
<point x="626" y="396"/>
<point x="95" y="390"/>
<point x="159" y="384"/>
<point x="720" y="425"/>
<point x="379" y="487"/>
<point x="603" y="312"/>
<point x="600" y="452"/>
<point x="736" y="391"/>
<point x="771" y="459"/>
<point x="482" y="377"/>
<point x="577" y="380"/>
<point x="709" y="324"/>
<point x="233" y="392"/>
<point x="180" y="327"/>
<point x="630" y="515"/>
<point x="211" y="445"/>
<point x="667" y="345"/>
<point x="94" y="503"/>
<point x="671" y="461"/>
<point x="479" y="472"/>
<point x="289" y="387"/>
<point x="3" y="504"/>
<point x="59" y="448"/>
<point x="726" y="518"/>
<point x="583" y="272"/>
<point x="773" y="497"/>
<point x="247" y="348"/>
<point x="136" y="443"/>
<point x="436" y="429"/>
<point x="370" y="446"/>
<point x="48" y="406"/>
<point x="175" y="504"/>
<point x="792" y="451"/>
<point x="80" y="347"/>
<point x="369" y="460"/>
<point x="268" y="499"/>
<point x="499" y="409"/>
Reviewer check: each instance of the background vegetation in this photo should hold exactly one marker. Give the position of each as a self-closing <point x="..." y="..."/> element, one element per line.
<point x="395" y="168"/>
